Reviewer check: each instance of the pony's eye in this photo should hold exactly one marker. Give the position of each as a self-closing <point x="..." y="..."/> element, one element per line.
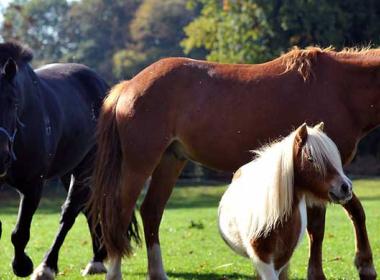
<point x="310" y="158"/>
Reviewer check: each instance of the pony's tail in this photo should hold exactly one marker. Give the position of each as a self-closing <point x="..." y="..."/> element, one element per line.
<point x="105" y="204"/>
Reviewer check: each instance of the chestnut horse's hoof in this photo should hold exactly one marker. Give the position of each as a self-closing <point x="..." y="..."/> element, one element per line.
<point x="157" y="277"/>
<point x="365" y="268"/>
<point x="94" y="268"/>
<point x="43" y="272"/>
<point x="315" y="275"/>
<point x="22" y="266"/>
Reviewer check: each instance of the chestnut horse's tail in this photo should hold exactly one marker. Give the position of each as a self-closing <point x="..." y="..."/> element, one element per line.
<point x="105" y="204"/>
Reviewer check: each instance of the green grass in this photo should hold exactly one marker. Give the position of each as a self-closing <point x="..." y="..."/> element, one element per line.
<point x="191" y="244"/>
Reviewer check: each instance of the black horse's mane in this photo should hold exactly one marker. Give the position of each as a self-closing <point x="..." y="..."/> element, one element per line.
<point x="16" y="51"/>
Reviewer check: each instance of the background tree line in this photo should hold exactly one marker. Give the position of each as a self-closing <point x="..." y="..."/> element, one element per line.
<point x="120" y="37"/>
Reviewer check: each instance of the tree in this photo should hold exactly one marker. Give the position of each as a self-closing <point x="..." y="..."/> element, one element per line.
<point x="156" y="31"/>
<point x="39" y="23"/>
<point x="97" y="29"/>
<point x="251" y="31"/>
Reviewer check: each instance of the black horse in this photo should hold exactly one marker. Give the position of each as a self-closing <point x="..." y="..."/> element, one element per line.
<point x="47" y="127"/>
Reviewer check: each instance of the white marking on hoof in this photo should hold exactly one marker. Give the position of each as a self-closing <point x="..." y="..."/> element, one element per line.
<point x="94" y="268"/>
<point x="114" y="270"/>
<point x="43" y="272"/>
<point x="155" y="265"/>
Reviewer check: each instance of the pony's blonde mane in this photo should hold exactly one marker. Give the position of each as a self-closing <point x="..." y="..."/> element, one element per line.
<point x="302" y="60"/>
<point x="273" y="177"/>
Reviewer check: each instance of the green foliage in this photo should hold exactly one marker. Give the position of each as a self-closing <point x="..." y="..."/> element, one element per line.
<point x="116" y="37"/>
<point x="156" y="30"/>
<point x="230" y="34"/>
<point x="97" y="30"/>
<point x="39" y="23"/>
<point x="252" y="31"/>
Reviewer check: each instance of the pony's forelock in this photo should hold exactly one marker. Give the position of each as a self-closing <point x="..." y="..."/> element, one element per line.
<point x="323" y="151"/>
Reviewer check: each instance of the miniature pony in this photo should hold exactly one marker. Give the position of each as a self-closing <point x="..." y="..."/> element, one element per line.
<point x="262" y="215"/>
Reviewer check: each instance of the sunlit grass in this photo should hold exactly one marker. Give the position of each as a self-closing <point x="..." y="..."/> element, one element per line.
<point x="191" y="244"/>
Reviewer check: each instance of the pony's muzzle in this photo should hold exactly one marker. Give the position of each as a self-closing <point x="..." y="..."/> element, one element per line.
<point x="341" y="192"/>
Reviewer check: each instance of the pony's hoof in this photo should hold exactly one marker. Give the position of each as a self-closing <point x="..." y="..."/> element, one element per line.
<point x="365" y="268"/>
<point x="94" y="268"/>
<point x="23" y="266"/>
<point x="43" y="272"/>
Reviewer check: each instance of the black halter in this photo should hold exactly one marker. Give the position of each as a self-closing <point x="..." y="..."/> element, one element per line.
<point x="11" y="136"/>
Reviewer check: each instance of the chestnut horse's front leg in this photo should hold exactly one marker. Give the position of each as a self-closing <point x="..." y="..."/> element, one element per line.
<point x="363" y="258"/>
<point x="316" y="229"/>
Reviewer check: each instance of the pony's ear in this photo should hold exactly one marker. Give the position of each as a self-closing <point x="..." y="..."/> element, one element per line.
<point x="320" y="126"/>
<point x="9" y="70"/>
<point x="301" y="136"/>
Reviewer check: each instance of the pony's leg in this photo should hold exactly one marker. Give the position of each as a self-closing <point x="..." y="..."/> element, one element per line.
<point x="22" y="265"/>
<point x="163" y="180"/>
<point x="284" y="273"/>
<point x="265" y="271"/>
<point x="363" y="258"/>
<point x="316" y="229"/>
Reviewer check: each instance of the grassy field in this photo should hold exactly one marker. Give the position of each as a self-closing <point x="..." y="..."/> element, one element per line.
<point x="191" y="244"/>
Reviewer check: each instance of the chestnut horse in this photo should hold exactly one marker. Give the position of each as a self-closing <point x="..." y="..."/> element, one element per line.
<point x="262" y="215"/>
<point x="180" y="109"/>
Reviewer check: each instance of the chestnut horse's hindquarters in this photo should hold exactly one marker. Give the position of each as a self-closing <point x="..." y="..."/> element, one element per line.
<point x="105" y="204"/>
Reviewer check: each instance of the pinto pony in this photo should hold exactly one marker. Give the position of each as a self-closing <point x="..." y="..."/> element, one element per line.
<point x="262" y="215"/>
<point x="180" y="109"/>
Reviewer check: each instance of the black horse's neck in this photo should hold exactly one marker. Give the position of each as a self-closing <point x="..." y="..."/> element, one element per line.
<point x="27" y="84"/>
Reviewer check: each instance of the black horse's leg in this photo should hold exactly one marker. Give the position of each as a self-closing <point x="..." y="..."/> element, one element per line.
<point x="83" y="173"/>
<point x="22" y="265"/>
<point x="96" y="265"/>
<point x="78" y="195"/>
<point x="49" y="267"/>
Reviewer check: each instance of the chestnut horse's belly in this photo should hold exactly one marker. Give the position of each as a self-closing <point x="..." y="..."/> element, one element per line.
<point x="229" y="145"/>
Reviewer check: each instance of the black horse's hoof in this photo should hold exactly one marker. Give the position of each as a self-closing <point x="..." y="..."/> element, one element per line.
<point x="22" y="266"/>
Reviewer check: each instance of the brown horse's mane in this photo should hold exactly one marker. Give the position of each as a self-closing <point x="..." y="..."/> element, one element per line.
<point x="16" y="51"/>
<point x="302" y="60"/>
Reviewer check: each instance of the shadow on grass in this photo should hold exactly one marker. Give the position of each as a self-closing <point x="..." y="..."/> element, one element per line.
<point x="208" y="276"/>
<point x="203" y="276"/>
<point x="214" y="276"/>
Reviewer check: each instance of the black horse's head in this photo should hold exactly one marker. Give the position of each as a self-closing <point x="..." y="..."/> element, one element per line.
<point x="12" y="57"/>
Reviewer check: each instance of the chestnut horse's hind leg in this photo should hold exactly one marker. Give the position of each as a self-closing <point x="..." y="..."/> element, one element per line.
<point x="163" y="180"/>
<point x="22" y="264"/>
<point x="316" y="229"/>
<point x="363" y="259"/>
